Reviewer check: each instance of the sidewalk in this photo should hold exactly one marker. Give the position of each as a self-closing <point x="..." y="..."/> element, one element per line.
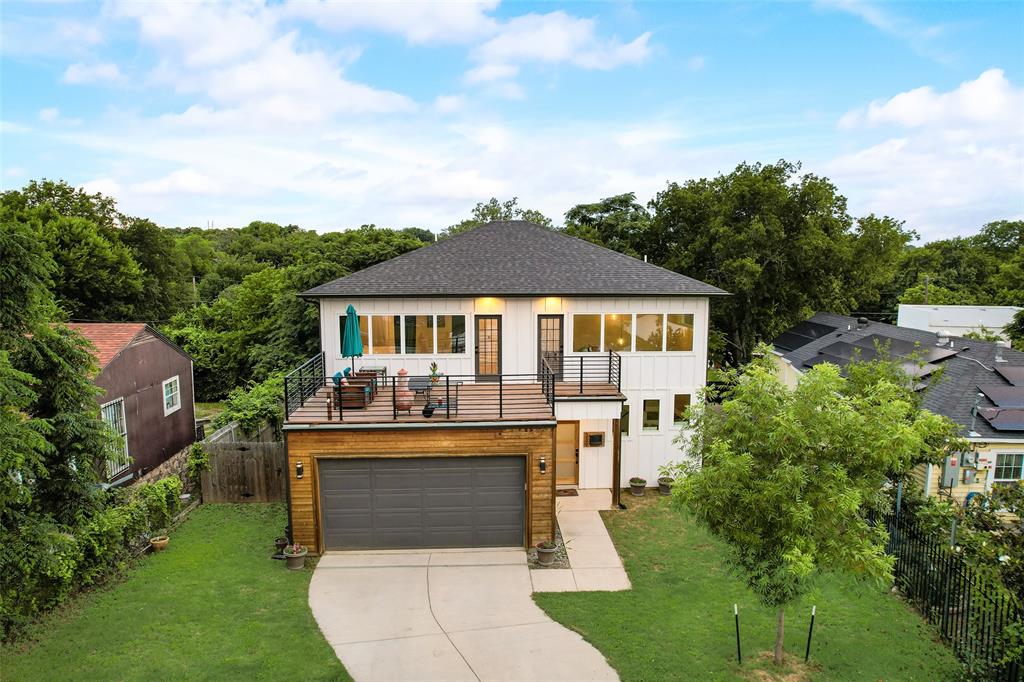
<point x="595" y="565"/>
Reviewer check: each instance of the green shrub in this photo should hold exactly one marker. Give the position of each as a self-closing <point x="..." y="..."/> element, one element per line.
<point x="252" y="407"/>
<point x="198" y="462"/>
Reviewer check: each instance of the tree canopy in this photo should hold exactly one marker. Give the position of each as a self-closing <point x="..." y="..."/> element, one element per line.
<point x="491" y="210"/>
<point x="787" y="478"/>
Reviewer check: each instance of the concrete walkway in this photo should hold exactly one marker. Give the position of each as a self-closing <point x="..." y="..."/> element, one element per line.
<point x="446" y="615"/>
<point x="594" y="563"/>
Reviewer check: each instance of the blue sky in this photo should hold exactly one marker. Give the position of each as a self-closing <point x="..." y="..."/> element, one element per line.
<point x="330" y="115"/>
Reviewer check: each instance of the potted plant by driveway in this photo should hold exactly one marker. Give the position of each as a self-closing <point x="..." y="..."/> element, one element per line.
<point x="546" y="552"/>
<point x="637" y="486"/>
<point x="296" y="556"/>
<point x="280" y="543"/>
<point x="665" y="485"/>
<point x="159" y="542"/>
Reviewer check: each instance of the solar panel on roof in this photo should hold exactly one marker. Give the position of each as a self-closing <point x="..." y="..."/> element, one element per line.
<point x="1005" y="396"/>
<point x="1014" y="374"/>
<point x="842" y="349"/>
<point x="814" y="330"/>
<point x="790" y="341"/>
<point x="801" y="335"/>
<point x="1004" y="420"/>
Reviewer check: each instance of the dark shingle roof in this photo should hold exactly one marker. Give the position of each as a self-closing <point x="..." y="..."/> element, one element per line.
<point x="964" y="375"/>
<point x="514" y="258"/>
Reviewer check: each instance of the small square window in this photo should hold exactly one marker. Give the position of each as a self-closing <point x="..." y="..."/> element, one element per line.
<point x="1009" y="467"/>
<point x="172" y="395"/>
<point x="652" y="415"/>
<point x="680" y="403"/>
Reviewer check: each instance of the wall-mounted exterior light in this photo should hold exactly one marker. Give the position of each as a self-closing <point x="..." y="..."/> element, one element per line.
<point x="299" y="469"/>
<point x="543" y="465"/>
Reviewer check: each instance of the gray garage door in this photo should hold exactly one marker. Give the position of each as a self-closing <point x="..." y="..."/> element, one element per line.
<point x="400" y="503"/>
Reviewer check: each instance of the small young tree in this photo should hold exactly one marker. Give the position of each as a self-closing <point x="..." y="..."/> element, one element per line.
<point x="788" y="477"/>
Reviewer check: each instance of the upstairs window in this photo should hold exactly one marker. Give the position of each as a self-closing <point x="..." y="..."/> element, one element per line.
<point x="618" y="332"/>
<point x="680" y="332"/>
<point x="172" y="395"/>
<point x="586" y="333"/>
<point x="451" y="333"/>
<point x="364" y="332"/>
<point x="649" y="332"/>
<point x="419" y="334"/>
<point x="387" y="333"/>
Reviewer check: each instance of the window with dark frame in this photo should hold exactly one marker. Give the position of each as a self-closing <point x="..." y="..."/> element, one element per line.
<point x="652" y="414"/>
<point x="680" y="403"/>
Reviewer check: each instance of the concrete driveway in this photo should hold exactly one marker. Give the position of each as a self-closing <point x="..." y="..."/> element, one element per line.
<point x="444" y="615"/>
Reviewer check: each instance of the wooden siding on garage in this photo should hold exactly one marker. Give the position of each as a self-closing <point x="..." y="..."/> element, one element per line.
<point x="312" y="445"/>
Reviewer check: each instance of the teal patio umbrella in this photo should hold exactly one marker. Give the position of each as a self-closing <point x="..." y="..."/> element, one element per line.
<point x="352" y="344"/>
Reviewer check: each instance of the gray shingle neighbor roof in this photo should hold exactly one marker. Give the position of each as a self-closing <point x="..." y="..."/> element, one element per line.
<point x="514" y="258"/>
<point x="955" y="393"/>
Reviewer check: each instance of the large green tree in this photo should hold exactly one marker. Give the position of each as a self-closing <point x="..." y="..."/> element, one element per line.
<point x="492" y="210"/>
<point x="787" y="478"/>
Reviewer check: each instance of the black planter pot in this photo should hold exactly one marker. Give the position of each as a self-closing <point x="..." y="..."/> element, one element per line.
<point x="280" y="543"/>
<point x="665" y="486"/>
<point x="428" y="411"/>
<point x="637" y="490"/>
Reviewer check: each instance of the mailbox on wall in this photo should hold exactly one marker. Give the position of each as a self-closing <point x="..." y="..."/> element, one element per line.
<point x="951" y="471"/>
<point x="593" y="439"/>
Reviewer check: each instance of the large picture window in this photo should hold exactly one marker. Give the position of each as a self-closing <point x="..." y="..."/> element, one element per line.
<point x="680" y="332"/>
<point x="586" y="333"/>
<point x="649" y="331"/>
<point x="451" y="333"/>
<point x="364" y="332"/>
<point x="387" y="332"/>
<point x="618" y="332"/>
<point x="419" y="334"/>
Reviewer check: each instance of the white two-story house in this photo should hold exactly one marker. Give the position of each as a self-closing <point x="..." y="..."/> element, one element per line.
<point x="559" y="364"/>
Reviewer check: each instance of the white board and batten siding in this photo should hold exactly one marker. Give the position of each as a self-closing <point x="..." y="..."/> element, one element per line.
<point x="645" y="375"/>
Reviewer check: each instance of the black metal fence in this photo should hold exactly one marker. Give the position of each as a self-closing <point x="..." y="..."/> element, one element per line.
<point x="303" y="382"/>
<point x="971" y="614"/>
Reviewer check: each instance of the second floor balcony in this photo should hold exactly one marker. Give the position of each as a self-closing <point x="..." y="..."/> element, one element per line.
<point x="369" y="395"/>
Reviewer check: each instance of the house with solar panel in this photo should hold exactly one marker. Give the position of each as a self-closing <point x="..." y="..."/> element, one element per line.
<point x="980" y="387"/>
<point x="497" y="370"/>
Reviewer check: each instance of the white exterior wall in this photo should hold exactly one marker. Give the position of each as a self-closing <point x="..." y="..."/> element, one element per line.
<point x="645" y="375"/>
<point x="593" y="415"/>
<point x="956" y="319"/>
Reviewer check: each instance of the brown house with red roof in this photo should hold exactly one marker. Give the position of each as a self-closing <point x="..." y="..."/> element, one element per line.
<point x="148" y="396"/>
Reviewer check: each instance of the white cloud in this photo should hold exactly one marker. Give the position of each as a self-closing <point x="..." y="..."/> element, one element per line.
<point x="491" y="72"/>
<point x="447" y="104"/>
<point x="107" y="186"/>
<point x="417" y="22"/>
<point x="181" y="181"/>
<point x="81" y="73"/>
<point x="946" y="161"/>
<point x="695" y="63"/>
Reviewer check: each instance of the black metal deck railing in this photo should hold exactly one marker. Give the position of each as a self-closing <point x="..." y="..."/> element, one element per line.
<point x="585" y="372"/>
<point x="303" y="382"/>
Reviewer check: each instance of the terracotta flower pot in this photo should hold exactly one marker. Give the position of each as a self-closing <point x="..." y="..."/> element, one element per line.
<point x="159" y="543"/>
<point x="403" y="396"/>
<point x="296" y="562"/>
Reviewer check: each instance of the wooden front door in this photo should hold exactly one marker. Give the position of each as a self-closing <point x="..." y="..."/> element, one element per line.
<point x="488" y="347"/>
<point x="567" y="453"/>
<point x="550" y="343"/>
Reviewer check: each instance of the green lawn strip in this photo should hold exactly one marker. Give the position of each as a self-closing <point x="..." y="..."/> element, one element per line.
<point x="212" y="606"/>
<point x="677" y="621"/>
<point x="209" y="410"/>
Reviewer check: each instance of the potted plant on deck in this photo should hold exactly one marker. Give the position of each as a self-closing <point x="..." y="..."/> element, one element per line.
<point x="637" y="486"/>
<point x="435" y="375"/>
<point x="546" y="552"/>
<point x="296" y="556"/>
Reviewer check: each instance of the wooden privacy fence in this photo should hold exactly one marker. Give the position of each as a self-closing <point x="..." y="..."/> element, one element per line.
<point x="245" y="472"/>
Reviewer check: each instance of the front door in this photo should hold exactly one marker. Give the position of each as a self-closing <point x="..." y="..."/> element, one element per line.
<point x="488" y="347"/>
<point x="567" y="453"/>
<point x="550" y="343"/>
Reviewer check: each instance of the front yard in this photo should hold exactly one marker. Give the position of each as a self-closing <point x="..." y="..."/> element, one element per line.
<point x="213" y="606"/>
<point x="677" y="621"/>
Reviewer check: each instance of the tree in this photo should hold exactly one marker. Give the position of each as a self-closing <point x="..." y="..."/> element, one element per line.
<point x="617" y="222"/>
<point x="787" y="478"/>
<point x="425" y="236"/>
<point x="166" y="285"/>
<point x="781" y="243"/>
<point x="1015" y="330"/>
<point x="492" y="210"/>
<point x="68" y="201"/>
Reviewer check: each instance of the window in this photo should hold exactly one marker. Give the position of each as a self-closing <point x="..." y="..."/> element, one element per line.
<point x="618" y="332"/>
<point x="387" y="331"/>
<point x="624" y="420"/>
<point x="652" y="415"/>
<point x="586" y="333"/>
<point x="172" y="396"/>
<point x="451" y="333"/>
<point x="364" y="332"/>
<point x="113" y="415"/>
<point x="649" y="331"/>
<point x="419" y="333"/>
<point x="1009" y="468"/>
<point x="680" y="332"/>
<point x="680" y="402"/>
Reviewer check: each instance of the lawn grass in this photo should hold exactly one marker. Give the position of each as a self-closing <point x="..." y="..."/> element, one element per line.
<point x="209" y="410"/>
<point x="677" y="621"/>
<point x="212" y="606"/>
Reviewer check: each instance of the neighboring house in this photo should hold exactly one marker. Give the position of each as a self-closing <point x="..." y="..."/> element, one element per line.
<point x="980" y="387"/>
<point x="957" y="320"/>
<point x="148" y="394"/>
<point x="564" y="365"/>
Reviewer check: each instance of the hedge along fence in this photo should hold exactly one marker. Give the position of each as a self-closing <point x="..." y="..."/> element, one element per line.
<point x="43" y="563"/>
